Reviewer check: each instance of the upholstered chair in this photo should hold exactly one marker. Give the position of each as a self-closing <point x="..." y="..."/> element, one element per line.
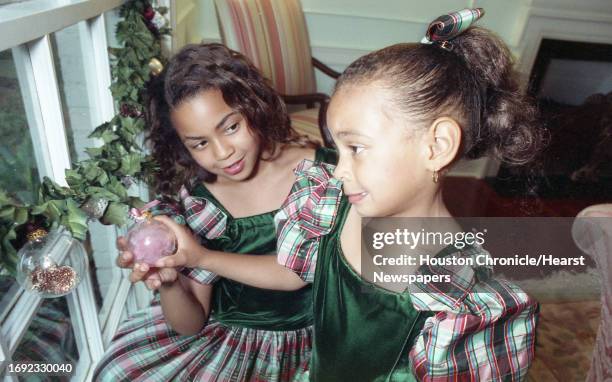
<point x="273" y="34"/>
<point x="592" y="232"/>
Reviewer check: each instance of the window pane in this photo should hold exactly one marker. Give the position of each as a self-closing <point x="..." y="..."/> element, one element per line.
<point x="77" y="81"/>
<point x="69" y="63"/>
<point x="111" y="18"/>
<point x="9" y="292"/>
<point x="18" y="171"/>
<point x="49" y="339"/>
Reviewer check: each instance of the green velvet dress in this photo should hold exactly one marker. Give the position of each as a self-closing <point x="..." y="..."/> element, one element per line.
<point x="252" y="335"/>
<point x="362" y="331"/>
<point x="237" y="304"/>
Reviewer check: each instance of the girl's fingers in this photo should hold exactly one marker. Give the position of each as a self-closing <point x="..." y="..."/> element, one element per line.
<point x="138" y="272"/>
<point x="121" y="243"/>
<point x="124" y="260"/>
<point x="152" y="284"/>
<point x="173" y="261"/>
<point x="167" y="275"/>
<point x="174" y="226"/>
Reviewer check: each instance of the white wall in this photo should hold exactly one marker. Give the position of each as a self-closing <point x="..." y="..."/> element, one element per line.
<point x="189" y="22"/>
<point x="342" y="30"/>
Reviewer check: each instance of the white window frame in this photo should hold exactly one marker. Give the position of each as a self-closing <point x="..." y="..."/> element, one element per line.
<point x="25" y="28"/>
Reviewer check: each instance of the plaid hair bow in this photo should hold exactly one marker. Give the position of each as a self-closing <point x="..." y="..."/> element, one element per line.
<point x="447" y="27"/>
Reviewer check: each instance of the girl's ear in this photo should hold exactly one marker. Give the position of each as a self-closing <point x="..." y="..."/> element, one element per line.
<point x="443" y="140"/>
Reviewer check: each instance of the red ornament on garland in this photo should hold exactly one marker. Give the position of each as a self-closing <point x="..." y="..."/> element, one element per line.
<point x="148" y="13"/>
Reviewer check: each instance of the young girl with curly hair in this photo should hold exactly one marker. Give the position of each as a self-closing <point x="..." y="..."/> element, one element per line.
<point x="223" y="142"/>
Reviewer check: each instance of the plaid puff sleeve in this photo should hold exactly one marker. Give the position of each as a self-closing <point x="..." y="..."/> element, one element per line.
<point x="485" y="331"/>
<point x="206" y="220"/>
<point x="308" y="213"/>
<point x="166" y="207"/>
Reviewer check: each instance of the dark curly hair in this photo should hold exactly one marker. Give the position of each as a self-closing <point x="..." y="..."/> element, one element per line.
<point x="474" y="83"/>
<point x="201" y="67"/>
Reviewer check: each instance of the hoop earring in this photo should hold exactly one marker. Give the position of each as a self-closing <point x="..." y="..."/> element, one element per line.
<point x="435" y="176"/>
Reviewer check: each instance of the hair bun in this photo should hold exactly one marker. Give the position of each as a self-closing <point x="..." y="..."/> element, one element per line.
<point x="508" y="118"/>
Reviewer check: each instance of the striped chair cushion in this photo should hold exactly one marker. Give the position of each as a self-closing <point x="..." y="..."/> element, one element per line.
<point x="273" y="34"/>
<point x="307" y="122"/>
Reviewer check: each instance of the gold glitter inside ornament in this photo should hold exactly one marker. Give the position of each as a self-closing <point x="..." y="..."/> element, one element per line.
<point x="53" y="280"/>
<point x="51" y="265"/>
<point x="36" y="234"/>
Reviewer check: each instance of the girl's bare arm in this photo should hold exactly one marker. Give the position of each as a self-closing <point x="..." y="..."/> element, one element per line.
<point x="186" y="305"/>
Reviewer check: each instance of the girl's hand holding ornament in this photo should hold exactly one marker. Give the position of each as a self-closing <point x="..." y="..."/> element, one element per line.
<point x="189" y="250"/>
<point x="148" y="239"/>
<point x="151" y="276"/>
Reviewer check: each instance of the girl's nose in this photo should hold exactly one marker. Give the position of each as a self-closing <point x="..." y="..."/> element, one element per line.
<point x="342" y="171"/>
<point x="222" y="150"/>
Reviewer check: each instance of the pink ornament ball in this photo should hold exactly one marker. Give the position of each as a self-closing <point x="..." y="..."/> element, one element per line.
<point x="150" y="241"/>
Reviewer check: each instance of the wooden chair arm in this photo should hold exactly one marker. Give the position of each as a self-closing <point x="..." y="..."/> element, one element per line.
<point x="325" y="69"/>
<point x="309" y="100"/>
<point x="323" y="130"/>
<point x="306" y="99"/>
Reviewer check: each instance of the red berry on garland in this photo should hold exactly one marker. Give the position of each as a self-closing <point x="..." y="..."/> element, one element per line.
<point x="124" y="110"/>
<point x="129" y="111"/>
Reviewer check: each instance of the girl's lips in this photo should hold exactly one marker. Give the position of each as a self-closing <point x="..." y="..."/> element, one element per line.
<point x="356" y="198"/>
<point x="234" y="168"/>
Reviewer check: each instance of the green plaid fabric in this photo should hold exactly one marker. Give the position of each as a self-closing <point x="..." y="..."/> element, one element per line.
<point x="449" y="26"/>
<point x="484" y="328"/>
<point x="146" y="349"/>
<point x="203" y="217"/>
<point x="307" y="214"/>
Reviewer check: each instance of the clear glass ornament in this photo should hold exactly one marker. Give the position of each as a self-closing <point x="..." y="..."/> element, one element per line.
<point x="51" y="265"/>
<point x="150" y="240"/>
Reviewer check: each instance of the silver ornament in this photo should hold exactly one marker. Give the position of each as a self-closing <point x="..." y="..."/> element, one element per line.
<point x="95" y="207"/>
<point x="127" y="181"/>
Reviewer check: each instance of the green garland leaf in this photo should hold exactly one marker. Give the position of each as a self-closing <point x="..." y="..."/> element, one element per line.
<point x="120" y="154"/>
<point x="77" y="220"/>
<point x="8" y="254"/>
<point x="116" y="213"/>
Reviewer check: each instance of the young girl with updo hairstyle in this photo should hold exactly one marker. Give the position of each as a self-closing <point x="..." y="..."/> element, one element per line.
<point x="400" y="117"/>
<point x="225" y="149"/>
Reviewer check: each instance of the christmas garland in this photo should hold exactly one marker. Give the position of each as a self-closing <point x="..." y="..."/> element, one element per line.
<point x="98" y="186"/>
